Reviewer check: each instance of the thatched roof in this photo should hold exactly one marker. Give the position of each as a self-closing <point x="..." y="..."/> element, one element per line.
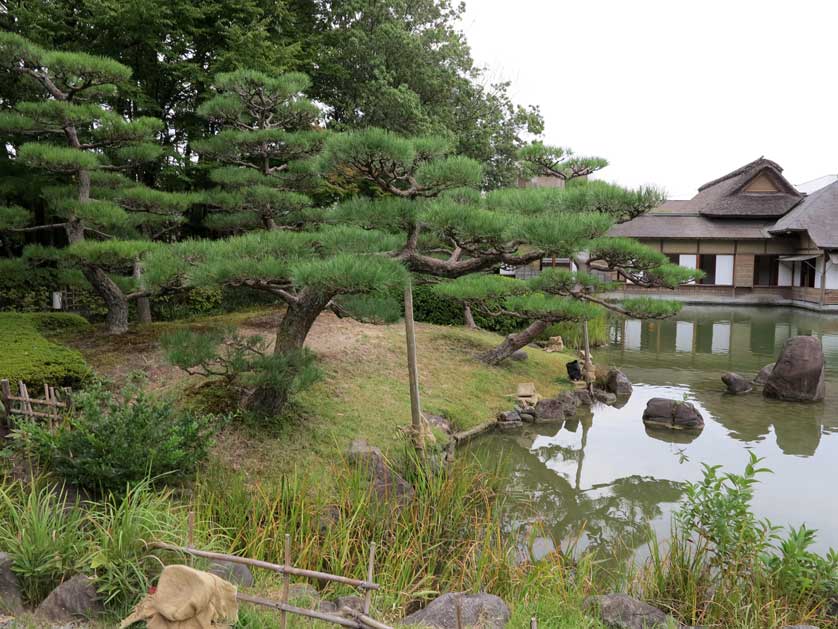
<point x="728" y="196"/>
<point x="817" y="215"/>
<point x="692" y="226"/>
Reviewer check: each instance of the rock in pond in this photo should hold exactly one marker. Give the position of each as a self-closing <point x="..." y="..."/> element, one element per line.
<point x="798" y="375"/>
<point x="762" y="376"/>
<point x="664" y="413"/>
<point x="485" y="611"/>
<point x="558" y="408"/>
<point x="620" y="611"/>
<point x="736" y="384"/>
<point x="618" y="383"/>
<point x="75" y="599"/>
<point x="386" y="482"/>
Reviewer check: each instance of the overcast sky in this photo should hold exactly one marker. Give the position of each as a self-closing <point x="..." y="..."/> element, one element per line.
<point x="672" y="93"/>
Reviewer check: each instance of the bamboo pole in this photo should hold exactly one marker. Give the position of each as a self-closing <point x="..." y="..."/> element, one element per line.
<point x="533" y="623"/>
<point x="300" y="611"/>
<point x="365" y="620"/>
<point x="412" y="368"/>
<point x="256" y="563"/>
<point x="286" y="581"/>
<point x="368" y="595"/>
<point x="190" y="534"/>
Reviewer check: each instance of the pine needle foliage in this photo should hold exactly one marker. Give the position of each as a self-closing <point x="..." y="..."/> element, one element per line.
<point x="266" y="129"/>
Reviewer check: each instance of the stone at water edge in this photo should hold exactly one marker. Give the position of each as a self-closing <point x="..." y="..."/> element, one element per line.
<point x="736" y="384"/>
<point x="672" y="414"/>
<point x="11" y="598"/>
<point x="606" y="397"/>
<point x="762" y="376"/>
<point x="509" y="416"/>
<point x="618" y="383"/>
<point x="75" y="599"/>
<point x="620" y="611"/>
<point x="560" y="407"/>
<point x="584" y="397"/>
<point x="798" y="375"/>
<point x="485" y="611"/>
<point x="386" y="482"/>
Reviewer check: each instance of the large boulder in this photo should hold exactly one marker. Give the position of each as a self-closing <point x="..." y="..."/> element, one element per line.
<point x="477" y="611"/>
<point x="736" y="384"/>
<point x="386" y="483"/>
<point x="762" y="376"/>
<point x="75" y="599"/>
<point x="798" y="375"/>
<point x="618" y="383"/>
<point x="11" y="599"/>
<point x="558" y="408"/>
<point x="620" y="611"/>
<point x="664" y="413"/>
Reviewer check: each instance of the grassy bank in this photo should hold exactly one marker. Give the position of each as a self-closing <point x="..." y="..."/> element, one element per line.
<point x="363" y="391"/>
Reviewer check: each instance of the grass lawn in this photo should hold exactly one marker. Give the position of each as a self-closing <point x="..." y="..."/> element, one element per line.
<point x="363" y="392"/>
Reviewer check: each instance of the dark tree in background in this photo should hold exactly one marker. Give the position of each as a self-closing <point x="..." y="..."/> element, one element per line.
<point x="87" y="147"/>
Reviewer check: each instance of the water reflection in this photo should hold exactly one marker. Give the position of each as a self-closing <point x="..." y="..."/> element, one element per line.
<point x="608" y="475"/>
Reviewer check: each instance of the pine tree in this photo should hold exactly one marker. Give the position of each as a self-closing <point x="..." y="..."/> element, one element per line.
<point x="451" y="234"/>
<point x="81" y="141"/>
<point x="266" y="137"/>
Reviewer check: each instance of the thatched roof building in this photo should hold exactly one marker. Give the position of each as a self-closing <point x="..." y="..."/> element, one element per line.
<point x="756" y="236"/>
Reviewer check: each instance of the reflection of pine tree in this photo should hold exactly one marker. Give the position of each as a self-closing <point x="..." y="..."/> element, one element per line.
<point x="612" y="515"/>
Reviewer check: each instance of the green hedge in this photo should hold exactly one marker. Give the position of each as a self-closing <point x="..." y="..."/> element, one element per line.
<point x="29" y="356"/>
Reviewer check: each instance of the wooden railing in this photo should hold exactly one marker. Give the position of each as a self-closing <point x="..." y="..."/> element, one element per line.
<point x="51" y="406"/>
<point x="349" y="618"/>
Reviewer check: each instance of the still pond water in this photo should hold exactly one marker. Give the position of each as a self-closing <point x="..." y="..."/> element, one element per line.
<point x="603" y="477"/>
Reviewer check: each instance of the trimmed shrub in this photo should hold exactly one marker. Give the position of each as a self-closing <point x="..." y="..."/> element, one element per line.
<point x="113" y="441"/>
<point x="29" y="356"/>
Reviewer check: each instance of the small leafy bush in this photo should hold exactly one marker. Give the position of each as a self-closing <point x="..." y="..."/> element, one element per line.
<point x="112" y="441"/>
<point x="29" y="356"/>
<point x="718" y="510"/>
<point x="43" y="533"/>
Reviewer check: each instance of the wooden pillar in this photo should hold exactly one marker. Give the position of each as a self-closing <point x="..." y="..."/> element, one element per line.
<point x="823" y="277"/>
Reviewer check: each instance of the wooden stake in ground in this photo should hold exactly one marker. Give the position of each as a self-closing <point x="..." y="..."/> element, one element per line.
<point x="412" y="369"/>
<point x="589" y="365"/>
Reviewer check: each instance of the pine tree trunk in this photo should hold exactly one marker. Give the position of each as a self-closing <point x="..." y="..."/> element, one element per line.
<point x="513" y="342"/>
<point x="469" y="318"/>
<point x="117" y="318"/>
<point x="143" y="303"/>
<point x="290" y="337"/>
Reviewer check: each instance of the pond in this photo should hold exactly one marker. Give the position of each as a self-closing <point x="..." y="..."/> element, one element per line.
<point x="602" y="478"/>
